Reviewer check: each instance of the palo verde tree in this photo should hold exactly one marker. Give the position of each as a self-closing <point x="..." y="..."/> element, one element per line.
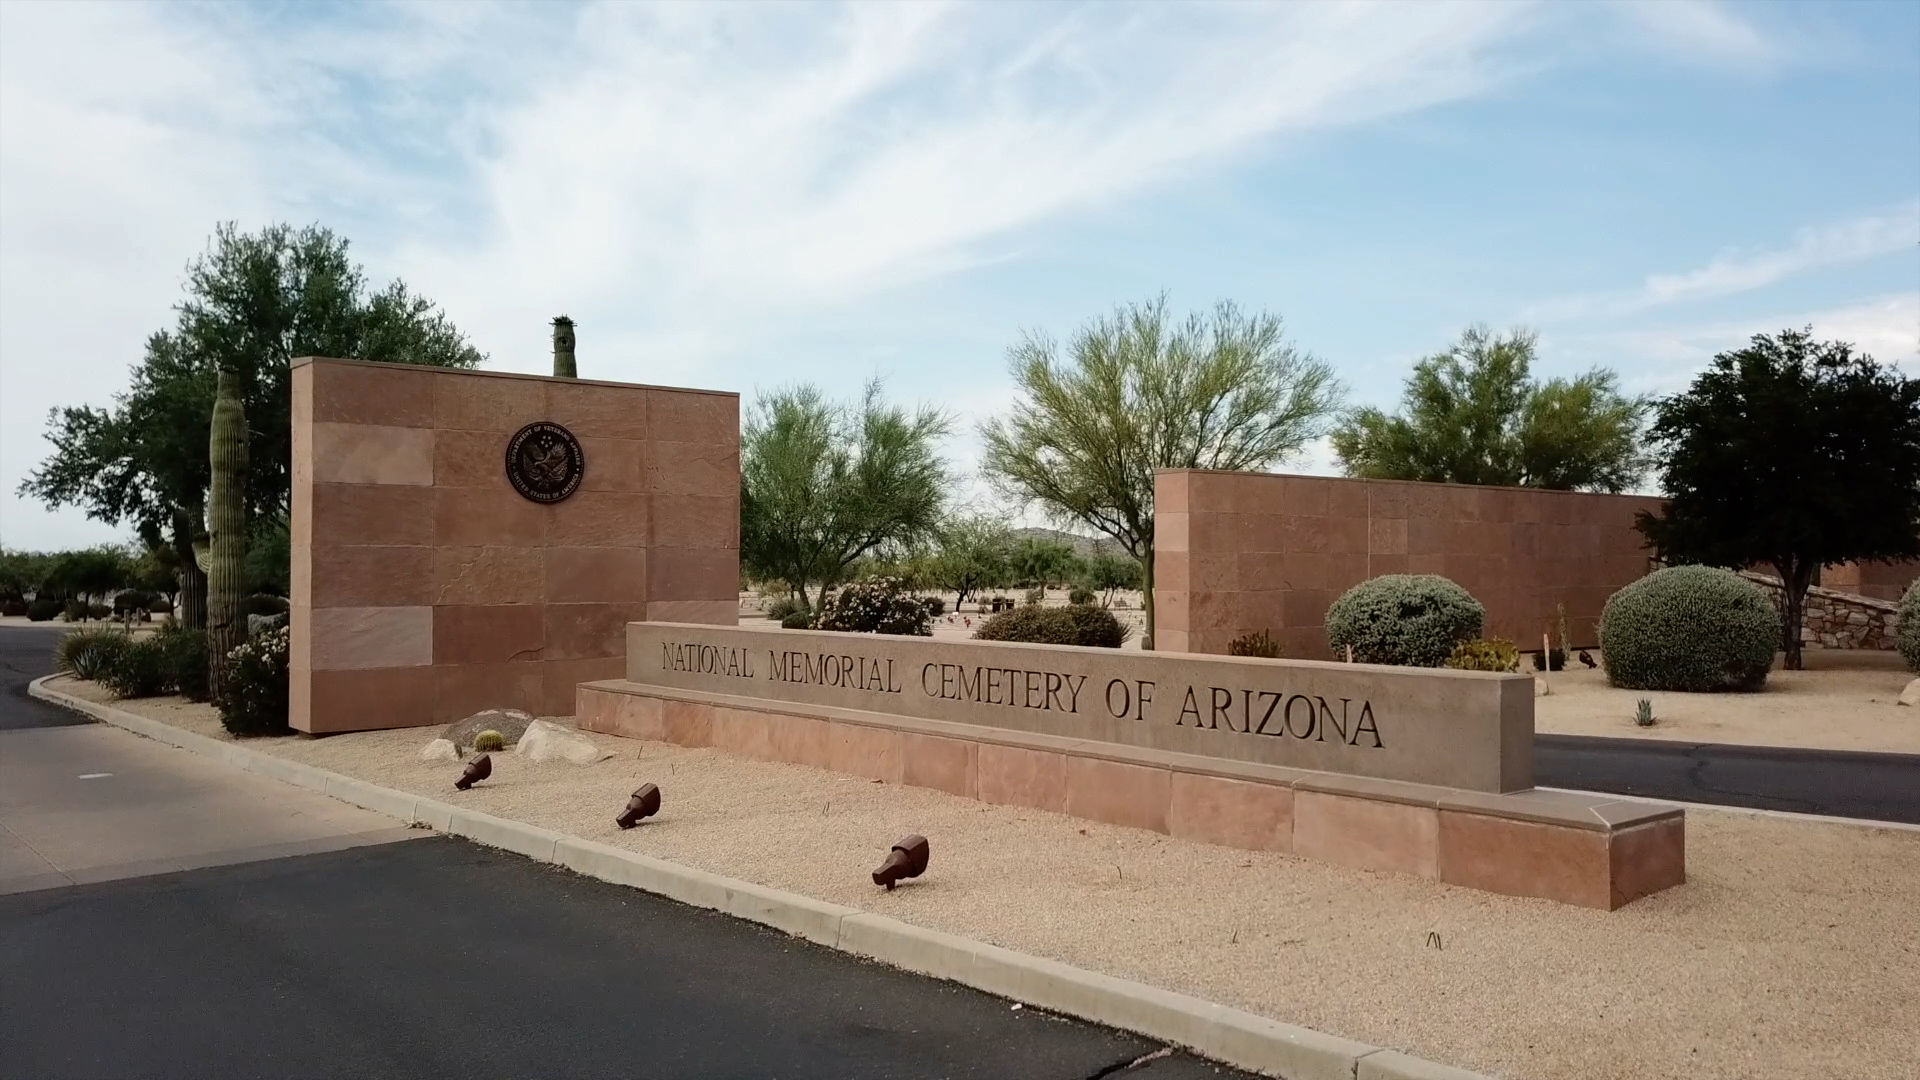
<point x="822" y="485"/>
<point x="1138" y="392"/>
<point x="1474" y="415"/>
<point x="1794" y="454"/>
<point x="969" y="554"/>
<point x="253" y="303"/>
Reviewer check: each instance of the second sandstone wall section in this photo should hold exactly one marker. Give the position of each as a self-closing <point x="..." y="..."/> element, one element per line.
<point x="1237" y="553"/>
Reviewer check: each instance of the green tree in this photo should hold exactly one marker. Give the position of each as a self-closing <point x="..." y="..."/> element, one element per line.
<point x="971" y="553"/>
<point x="1474" y="415"/>
<point x="1107" y="573"/>
<point x="1040" y="561"/>
<point x="89" y="574"/>
<point x="1138" y="392"/>
<point x="822" y="485"/>
<point x="1794" y="454"/>
<point x="254" y="302"/>
<point x="23" y="573"/>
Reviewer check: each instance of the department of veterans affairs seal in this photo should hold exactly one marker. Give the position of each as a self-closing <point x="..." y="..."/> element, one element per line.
<point x="544" y="462"/>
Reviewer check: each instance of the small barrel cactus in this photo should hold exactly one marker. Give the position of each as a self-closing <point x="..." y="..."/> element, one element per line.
<point x="489" y="742"/>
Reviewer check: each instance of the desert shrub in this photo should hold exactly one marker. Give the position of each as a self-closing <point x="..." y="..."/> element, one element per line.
<point x="1036" y="596"/>
<point x="489" y="742"/>
<point x="87" y="654"/>
<point x="142" y="669"/>
<point x="43" y="609"/>
<point x="797" y="620"/>
<point x="1692" y="628"/>
<point x="783" y="607"/>
<point x="265" y="604"/>
<point x="1080" y="595"/>
<point x="13" y="606"/>
<point x="160" y="605"/>
<point x="1413" y="620"/>
<point x="1553" y="660"/>
<point x="74" y="611"/>
<point x="936" y="606"/>
<point x="254" y="701"/>
<point x="1260" y="644"/>
<point x="1910" y="626"/>
<point x="99" y="611"/>
<point x="1075" y="624"/>
<point x="1491" y="654"/>
<point x="878" y="606"/>
<point x="186" y="653"/>
<point x="131" y="602"/>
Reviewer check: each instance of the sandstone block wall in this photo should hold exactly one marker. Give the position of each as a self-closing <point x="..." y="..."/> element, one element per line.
<point x="1243" y="552"/>
<point x="426" y="588"/>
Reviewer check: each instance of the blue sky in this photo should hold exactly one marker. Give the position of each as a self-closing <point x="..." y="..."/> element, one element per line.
<point x="742" y="196"/>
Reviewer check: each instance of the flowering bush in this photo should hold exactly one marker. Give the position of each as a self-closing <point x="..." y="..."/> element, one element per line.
<point x="254" y="701"/>
<point x="878" y="606"/>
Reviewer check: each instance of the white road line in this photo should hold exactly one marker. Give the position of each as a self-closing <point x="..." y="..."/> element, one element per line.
<point x="95" y="775"/>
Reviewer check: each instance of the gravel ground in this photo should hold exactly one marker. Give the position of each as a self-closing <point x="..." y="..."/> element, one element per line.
<point x="1845" y="700"/>
<point x="1792" y="951"/>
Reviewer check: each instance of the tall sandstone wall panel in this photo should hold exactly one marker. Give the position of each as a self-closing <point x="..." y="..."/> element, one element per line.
<point x="426" y="588"/>
<point x="1237" y="553"/>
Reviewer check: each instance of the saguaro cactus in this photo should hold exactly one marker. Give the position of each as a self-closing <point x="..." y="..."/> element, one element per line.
<point x="563" y="348"/>
<point x="226" y="529"/>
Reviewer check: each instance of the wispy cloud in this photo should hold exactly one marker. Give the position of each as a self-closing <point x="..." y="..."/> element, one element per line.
<point x="1866" y="237"/>
<point x="1701" y="29"/>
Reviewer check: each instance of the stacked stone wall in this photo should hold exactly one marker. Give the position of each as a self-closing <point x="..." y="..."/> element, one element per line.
<point x="1839" y="620"/>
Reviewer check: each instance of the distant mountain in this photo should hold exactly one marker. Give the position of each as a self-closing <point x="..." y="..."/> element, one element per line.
<point x="1083" y="546"/>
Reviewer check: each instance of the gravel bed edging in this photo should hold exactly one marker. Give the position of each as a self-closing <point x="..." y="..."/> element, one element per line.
<point x="1233" y="1036"/>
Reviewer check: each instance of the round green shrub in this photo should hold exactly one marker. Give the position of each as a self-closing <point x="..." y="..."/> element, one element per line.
<point x="13" y="606"/>
<point x="42" y="610"/>
<point x="254" y="701"/>
<point x="1080" y="595"/>
<point x="779" y="609"/>
<point x="1075" y="624"/>
<point x="489" y="742"/>
<point x="1910" y="626"/>
<point x="186" y="653"/>
<point x="142" y="669"/>
<point x="1413" y="620"/>
<point x="1692" y="628"/>
<point x="797" y="620"/>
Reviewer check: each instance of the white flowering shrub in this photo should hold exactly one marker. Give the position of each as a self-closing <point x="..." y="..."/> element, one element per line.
<point x="1413" y="620"/>
<point x="1909" y="639"/>
<point x="878" y="606"/>
<point x="255" y="699"/>
<point x="1693" y="628"/>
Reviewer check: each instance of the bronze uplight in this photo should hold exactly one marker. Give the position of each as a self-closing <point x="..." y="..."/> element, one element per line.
<point x="907" y="859"/>
<point x="478" y="769"/>
<point x="644" y="803"/>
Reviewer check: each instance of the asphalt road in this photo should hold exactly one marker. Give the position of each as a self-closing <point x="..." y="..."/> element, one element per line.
<point x="415" y="955"/>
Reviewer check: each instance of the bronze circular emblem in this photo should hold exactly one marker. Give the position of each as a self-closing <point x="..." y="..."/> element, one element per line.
<point x="544" y="462"/>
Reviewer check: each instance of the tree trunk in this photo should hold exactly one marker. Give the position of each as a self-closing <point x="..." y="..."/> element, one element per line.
<point x="226" y="531"/>
<point x="1794" y="579"/>
<point x="1146" y="597"/>
<point x="192" y="604"/>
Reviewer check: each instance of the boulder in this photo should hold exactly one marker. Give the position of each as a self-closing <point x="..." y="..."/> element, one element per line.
<point x="544" y="741"/>
<point x="440" y="750"/>
<point x="508" y="722"/>
<point x="1911" y="695"/>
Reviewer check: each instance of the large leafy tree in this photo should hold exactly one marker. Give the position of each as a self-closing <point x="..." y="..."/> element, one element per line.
<point x="1475" y="415"/>
<point x="823" y="485"/>
<point x="1794" y="454"/>
<point x="253" y="302"/>
<point x="1138" y="391"/>
<point x="971" y="553"/>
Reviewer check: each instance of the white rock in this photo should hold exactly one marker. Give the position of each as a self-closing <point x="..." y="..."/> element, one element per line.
<point x="1911" y="695"/>
<point x="440" y="750"/>
<point x="544" y="741"/>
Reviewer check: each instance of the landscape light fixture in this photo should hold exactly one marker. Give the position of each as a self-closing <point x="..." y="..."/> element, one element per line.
<point x="644" y="803"/>
<point x="478" y="769"/>
<point x="907" y="859"/>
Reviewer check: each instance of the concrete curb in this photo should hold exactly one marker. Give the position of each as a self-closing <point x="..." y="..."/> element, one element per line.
<point x="1224" y="1034"/>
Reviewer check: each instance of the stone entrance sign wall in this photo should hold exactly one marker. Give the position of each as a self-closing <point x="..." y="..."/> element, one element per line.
<point x="1460" y="729"/>
<point x="1204" y="758"/>
<point x="425" y="587"/>
<point x="1238" y="553"/>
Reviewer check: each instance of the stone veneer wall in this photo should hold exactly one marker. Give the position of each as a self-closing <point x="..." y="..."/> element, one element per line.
<point x="425" y="588"/>
<point x="1839" y="620"/>
<point x="1242" y="552"/>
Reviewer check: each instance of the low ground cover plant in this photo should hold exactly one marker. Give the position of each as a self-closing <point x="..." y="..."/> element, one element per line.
<point x="1491" y="654"/>
<point x="1689" y="628"/>
<point x="1075" y="624"/>
<point x="1254" y="644"/>
<point x="1413" y="620"/>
